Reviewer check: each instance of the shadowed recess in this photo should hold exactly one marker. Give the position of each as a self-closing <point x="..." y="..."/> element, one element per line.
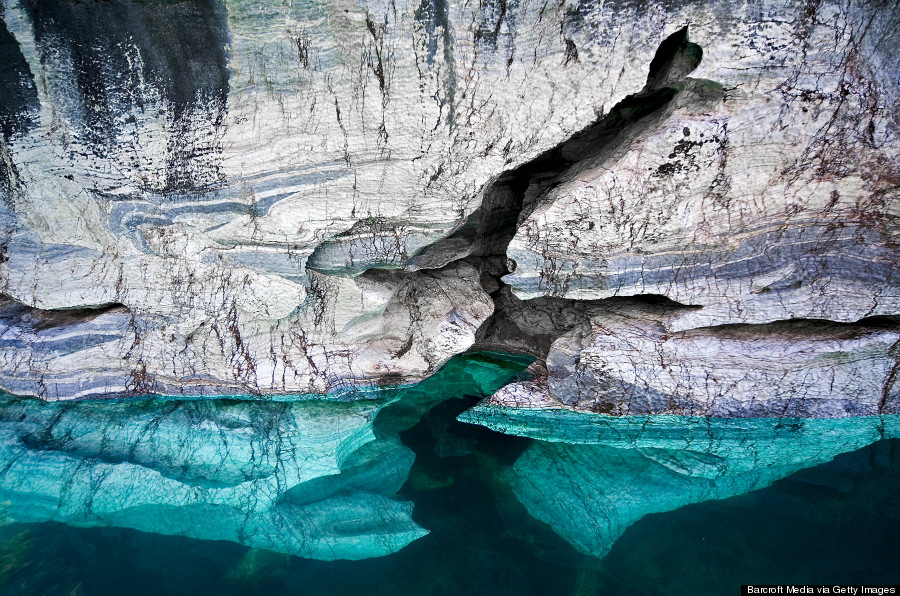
<point x="124" y="57"/>
<point x="19" y="100"/>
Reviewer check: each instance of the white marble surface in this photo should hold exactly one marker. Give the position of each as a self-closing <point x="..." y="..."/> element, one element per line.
<point x="241" y="222"/>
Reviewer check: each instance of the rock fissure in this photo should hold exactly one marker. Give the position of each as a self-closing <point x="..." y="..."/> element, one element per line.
<point x="614" y="355"/>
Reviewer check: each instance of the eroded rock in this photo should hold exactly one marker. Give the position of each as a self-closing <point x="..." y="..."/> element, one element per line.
<point x="762" y="190"/>
<point x="625" y="361"/>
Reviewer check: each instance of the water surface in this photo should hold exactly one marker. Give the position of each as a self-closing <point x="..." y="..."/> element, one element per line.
<point x="837" y="521"/>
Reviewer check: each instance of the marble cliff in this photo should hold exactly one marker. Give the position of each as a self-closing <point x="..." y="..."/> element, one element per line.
<point x="245" y="197"/>
<point x="677" y="207"/>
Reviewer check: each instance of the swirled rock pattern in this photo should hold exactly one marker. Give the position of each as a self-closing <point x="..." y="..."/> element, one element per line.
<point x="683" y="207"/>
<point x="226" y="170"/>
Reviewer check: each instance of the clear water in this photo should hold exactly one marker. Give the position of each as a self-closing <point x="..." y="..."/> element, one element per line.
<point x="835" y="522"/>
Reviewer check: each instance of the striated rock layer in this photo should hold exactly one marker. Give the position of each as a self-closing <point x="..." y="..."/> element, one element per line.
<point x="622" y="360"/>
<point x="761" y="187"/>
<point x="674" y="207"/>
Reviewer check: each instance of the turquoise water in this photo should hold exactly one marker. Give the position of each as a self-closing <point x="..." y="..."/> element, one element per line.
<point x="466" y="509"/>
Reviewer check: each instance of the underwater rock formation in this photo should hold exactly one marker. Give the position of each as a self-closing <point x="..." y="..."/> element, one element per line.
<point x="590" y="476"/>
<point x="304" y="478"/>
<point x="298" y="475"/>
<point x="301" y="214"/>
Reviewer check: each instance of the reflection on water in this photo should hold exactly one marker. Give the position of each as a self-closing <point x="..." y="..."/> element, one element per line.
<point x="305" y="477"/>
<point x="837" y="522"/>
<point x="505" y="514"/>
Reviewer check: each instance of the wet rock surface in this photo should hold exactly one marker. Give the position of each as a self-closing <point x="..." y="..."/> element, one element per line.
<point x="243" y="471"/>
<point x="297" y="475"/>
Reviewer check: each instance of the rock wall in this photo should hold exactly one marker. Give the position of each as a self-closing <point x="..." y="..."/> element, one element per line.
<point x="729" y="231"/>
<point x="208" y="197"/>
<point x="226" y="171"/>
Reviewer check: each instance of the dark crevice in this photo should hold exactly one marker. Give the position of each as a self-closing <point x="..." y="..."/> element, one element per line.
<point x="801" y="327"/>
<point x="39" y="319"/>
<point x="514" y="194"/>
<point x="675" y="59"/>
<point x="492" y="15"/>
<point x="512" y="197"/>
<point x="531" y="326"/>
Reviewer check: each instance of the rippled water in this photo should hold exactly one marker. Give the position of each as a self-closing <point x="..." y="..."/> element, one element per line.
<point x="835" y="522"/>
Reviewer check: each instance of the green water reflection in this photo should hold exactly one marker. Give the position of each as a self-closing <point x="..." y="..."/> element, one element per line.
<point x="504" y="514"/>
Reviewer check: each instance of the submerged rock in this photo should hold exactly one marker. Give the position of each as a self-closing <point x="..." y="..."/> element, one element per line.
<point x="294" y="474"/>
<point x="590" y="476"/>
<point x="306" y="478"/>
